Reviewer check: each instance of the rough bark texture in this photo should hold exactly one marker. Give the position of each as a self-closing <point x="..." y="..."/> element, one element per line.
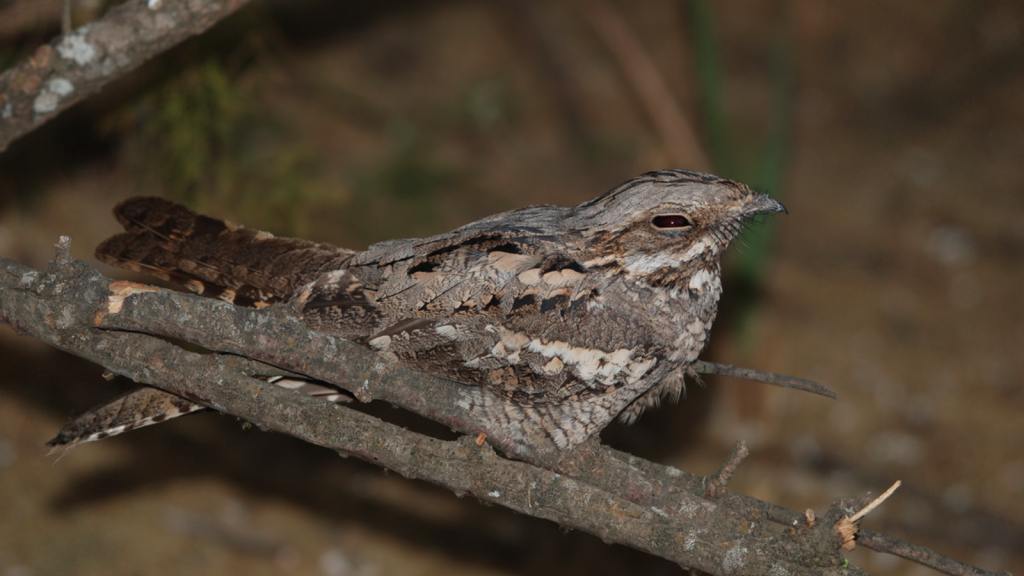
<point x="74" y="66"/>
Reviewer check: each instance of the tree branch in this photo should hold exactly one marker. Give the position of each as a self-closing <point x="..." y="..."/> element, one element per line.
<point x="716" y="483"/>
<point x="793" y="382"/>
<point x="919" y="554"/>
<point x="79" y="64"/>
<point x="620" y="498"/>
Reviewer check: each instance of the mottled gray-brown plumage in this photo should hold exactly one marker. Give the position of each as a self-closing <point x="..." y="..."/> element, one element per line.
<point x="557" y="319"/>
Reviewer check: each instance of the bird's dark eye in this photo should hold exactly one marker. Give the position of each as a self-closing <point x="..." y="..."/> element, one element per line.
<point x="671" y="221"/>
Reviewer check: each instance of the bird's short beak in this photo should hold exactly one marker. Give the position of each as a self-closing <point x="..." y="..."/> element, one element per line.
<point x="764" y="204"/>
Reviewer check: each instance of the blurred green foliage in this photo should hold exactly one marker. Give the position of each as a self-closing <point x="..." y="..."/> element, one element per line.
<point x="488" y="106"/>
<point x="764" y="165"/>
<point x="193" y="127"/>
<point x="399" y="195"/>
<point x="210" y="143"/>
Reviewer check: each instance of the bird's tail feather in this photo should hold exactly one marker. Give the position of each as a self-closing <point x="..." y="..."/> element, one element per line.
<point x="212" y="257"/>
<point x="147" y="406"/>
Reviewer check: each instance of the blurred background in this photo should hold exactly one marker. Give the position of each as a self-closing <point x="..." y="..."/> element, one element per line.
<point x="892" y="130"/>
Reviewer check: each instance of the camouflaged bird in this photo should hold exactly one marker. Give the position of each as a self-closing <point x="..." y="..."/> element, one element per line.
<point x="557" y="319"/>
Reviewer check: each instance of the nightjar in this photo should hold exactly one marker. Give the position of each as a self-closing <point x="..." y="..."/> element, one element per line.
<point x="556" y="319"/>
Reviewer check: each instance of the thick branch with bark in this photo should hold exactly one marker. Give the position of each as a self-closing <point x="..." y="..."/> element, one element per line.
<point x="694" y="521"/>
<point x="79" y="64"/>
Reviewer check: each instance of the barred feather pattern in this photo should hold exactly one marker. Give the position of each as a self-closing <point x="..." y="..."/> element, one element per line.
<point x="557" y="319"/>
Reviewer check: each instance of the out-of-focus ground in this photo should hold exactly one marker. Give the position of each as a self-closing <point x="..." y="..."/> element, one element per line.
<point x="897" y="278"/>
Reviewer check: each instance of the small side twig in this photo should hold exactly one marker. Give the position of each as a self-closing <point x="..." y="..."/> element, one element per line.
<point x="920" y="554"/>
<point x="62" y="255"/>
<point x="704" y="367"/>
<point x="65" y="18"/>
<point x="716" y="484"/>
<point x="847" y="525"/>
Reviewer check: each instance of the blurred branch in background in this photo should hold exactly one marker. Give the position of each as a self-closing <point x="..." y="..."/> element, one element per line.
<point x="535" y="38"/>
<point x="72" y="67"/>
<point x="65" y="17"/>
<point x="646" y="81"/>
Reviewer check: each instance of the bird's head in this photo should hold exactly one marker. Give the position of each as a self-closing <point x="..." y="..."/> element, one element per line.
<point x="667" y="223"/>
